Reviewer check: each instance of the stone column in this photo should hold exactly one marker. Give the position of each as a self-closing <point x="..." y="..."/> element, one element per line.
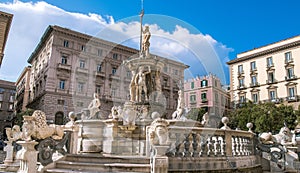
<point x="9" y="148"/>
<point x="28" y="157"/>
<point x="159" y="162"/>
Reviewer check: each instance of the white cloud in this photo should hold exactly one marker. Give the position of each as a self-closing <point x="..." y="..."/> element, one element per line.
<point x="31" y="19"/>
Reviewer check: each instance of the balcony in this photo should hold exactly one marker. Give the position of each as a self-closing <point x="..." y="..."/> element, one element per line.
<point x="256" y="84"/>
<point x="166" y="87"/>
<point x="270" y="65"/>
<point x="291" y="98"/>
<point x="100" y="74"/>
<point x="64" y="67"/>
<point x="240" y="73"/>
<point x="240" y="87"/>
<point x="292" y="77"/>
<point x="271" y="81"/>
<point x="82" y="70"/>
<point x="204" y="100"/>
<point x="114" y="76"/>
<point x="289" y="61"/>
<point x="275" y="100"/>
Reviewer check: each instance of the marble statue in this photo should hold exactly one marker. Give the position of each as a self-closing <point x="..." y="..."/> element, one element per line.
<point x="146" y="41"/>
<point x="132" y="87"/>
<point x="129" y="116"/>
<point x="157" y="80"/>
<point x="115" y="112"/>
<point x="159" y="132"/>
<point x="42" y="130"/>
<point x="140" y="82"/>
<point x="205" y="119"/>
<point x="284" y="137"/>
<point x="28" y="128"/>
<point x="180" y="106"/>
<point x="14" y="133"/>
<point x="94" y="106"/>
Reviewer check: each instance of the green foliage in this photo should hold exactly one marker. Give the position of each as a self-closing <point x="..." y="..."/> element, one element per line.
<point x="196" y="114"/>
<point x="19" y="118"/>
<point x="266" y="117"/>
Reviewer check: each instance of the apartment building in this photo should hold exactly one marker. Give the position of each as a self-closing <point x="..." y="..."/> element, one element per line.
<point x="208" y="93"/>
<point x="267" y="74"/>
<point x="7" y="95"/>
<point x="22" y="90"/>
<point x="69" y="66"/>
<point x="5" y="23"/>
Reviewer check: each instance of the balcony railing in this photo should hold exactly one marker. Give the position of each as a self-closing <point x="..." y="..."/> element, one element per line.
<point x="64" y="66"/>
<point x="254" y="84"/>
<point x="291" y="98"/>
<point x="271" y="81"/>
<point x="204" y="100"/>
<point x="241" y="87"/>
<point x="292" y="77"/>
<point x="288" y="61"/>
<point x="82" y="70"/>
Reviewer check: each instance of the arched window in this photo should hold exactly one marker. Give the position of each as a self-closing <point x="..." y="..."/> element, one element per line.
<point x="59" y="118"/>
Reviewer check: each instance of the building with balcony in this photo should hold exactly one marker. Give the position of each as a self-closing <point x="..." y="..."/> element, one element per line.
<point x="69" y="66"/>
<point x="5" y="23"/>
<point x="208" y="93"/>
<point x="22" y="90"/>
<point x="7" y="98"/>
<point x="267" y="74"/>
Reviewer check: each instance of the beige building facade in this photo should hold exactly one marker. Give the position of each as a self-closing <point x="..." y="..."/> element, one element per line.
<point x="69" y="66"/>
<point x="267" y="74"/>
<point x="5" y="23"/>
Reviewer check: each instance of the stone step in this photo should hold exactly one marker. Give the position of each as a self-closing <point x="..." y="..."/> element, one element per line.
<point x="96" y="158"/>
<point x="59" y="170"/>
<point x="103" y="167"/>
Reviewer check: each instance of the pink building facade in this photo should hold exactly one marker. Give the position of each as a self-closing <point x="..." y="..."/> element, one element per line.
<point x="208" y="93"/>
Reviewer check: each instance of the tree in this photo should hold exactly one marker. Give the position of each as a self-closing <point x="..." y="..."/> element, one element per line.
<point x="19" y="116"/>
<point x="266" y="117"/>
<point x="196" y="114"/>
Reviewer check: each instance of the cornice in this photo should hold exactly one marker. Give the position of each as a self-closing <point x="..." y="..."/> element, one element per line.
<point x="265" y="52"/>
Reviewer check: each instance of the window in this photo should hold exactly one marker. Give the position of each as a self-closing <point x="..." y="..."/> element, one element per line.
<point x="66" y="43"/>
<point x="80" y="87"/>
<point x="192" y="98"/>
<point x="203" y="96"/>
<point x="113" y="92"/>
<point x="253" y="65"/>
<point x="272" y="95"/>
<point x="216" y="98"/>
<point x="165" y="69"/>
<point x="60" y="102"/>
<point x="114" y="71"/>
<point x="242" y="99"/>
<point x="64" y="60"/>
<point x="99" y="67"/>
<point x="203" y="83"/>
<point x="165" y="82"/>
<point x="255" y="98"/>
<point x="100" y="51"/>
<point x="175" y="71"/>
<point x="254" y="80"/>
<point x="11" y="106"/>
<point x="192" y="85"/>
<point x="11" y="98"/>
<point x="128" y="74"/>
<point x="0" y="105"/>
<point x="98" y="89"/>
<point x="288" y="57"/>
<point x="62" y="84"/>
<point x="2" y="90"/>
<point x="79" y="104"/>
<point x="81" y="63"/>
<point x="83" y="48"/>
<point x="216" y="83"/>
<point x="240" y="69"/>
<point x="115" y="56"/>
<point x="290" y="73"/>
<point x="241" y="82"/>
<point x="292" y="92"/>
<point x="269" y="62"/>
<point x="271" y="78"/>
<point x="1" y="97"/>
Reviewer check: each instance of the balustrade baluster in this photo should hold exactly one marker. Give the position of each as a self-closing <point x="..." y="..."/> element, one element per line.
<point x="223" y="146"/>
<point x="241" y="143"/>
<point x="209" y="146"/>
<point x="217" y="146"/>
<point x="177" y="144"/>
<point x="237" y="146"/>
<point x="195" y="145"/>
<point x="203" y="146"/>
<point x="234" y="146"/>
<point x="187" y="144"/>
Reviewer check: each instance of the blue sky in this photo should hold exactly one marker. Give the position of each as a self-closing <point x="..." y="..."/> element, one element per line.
<point x="229" y="27"/>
